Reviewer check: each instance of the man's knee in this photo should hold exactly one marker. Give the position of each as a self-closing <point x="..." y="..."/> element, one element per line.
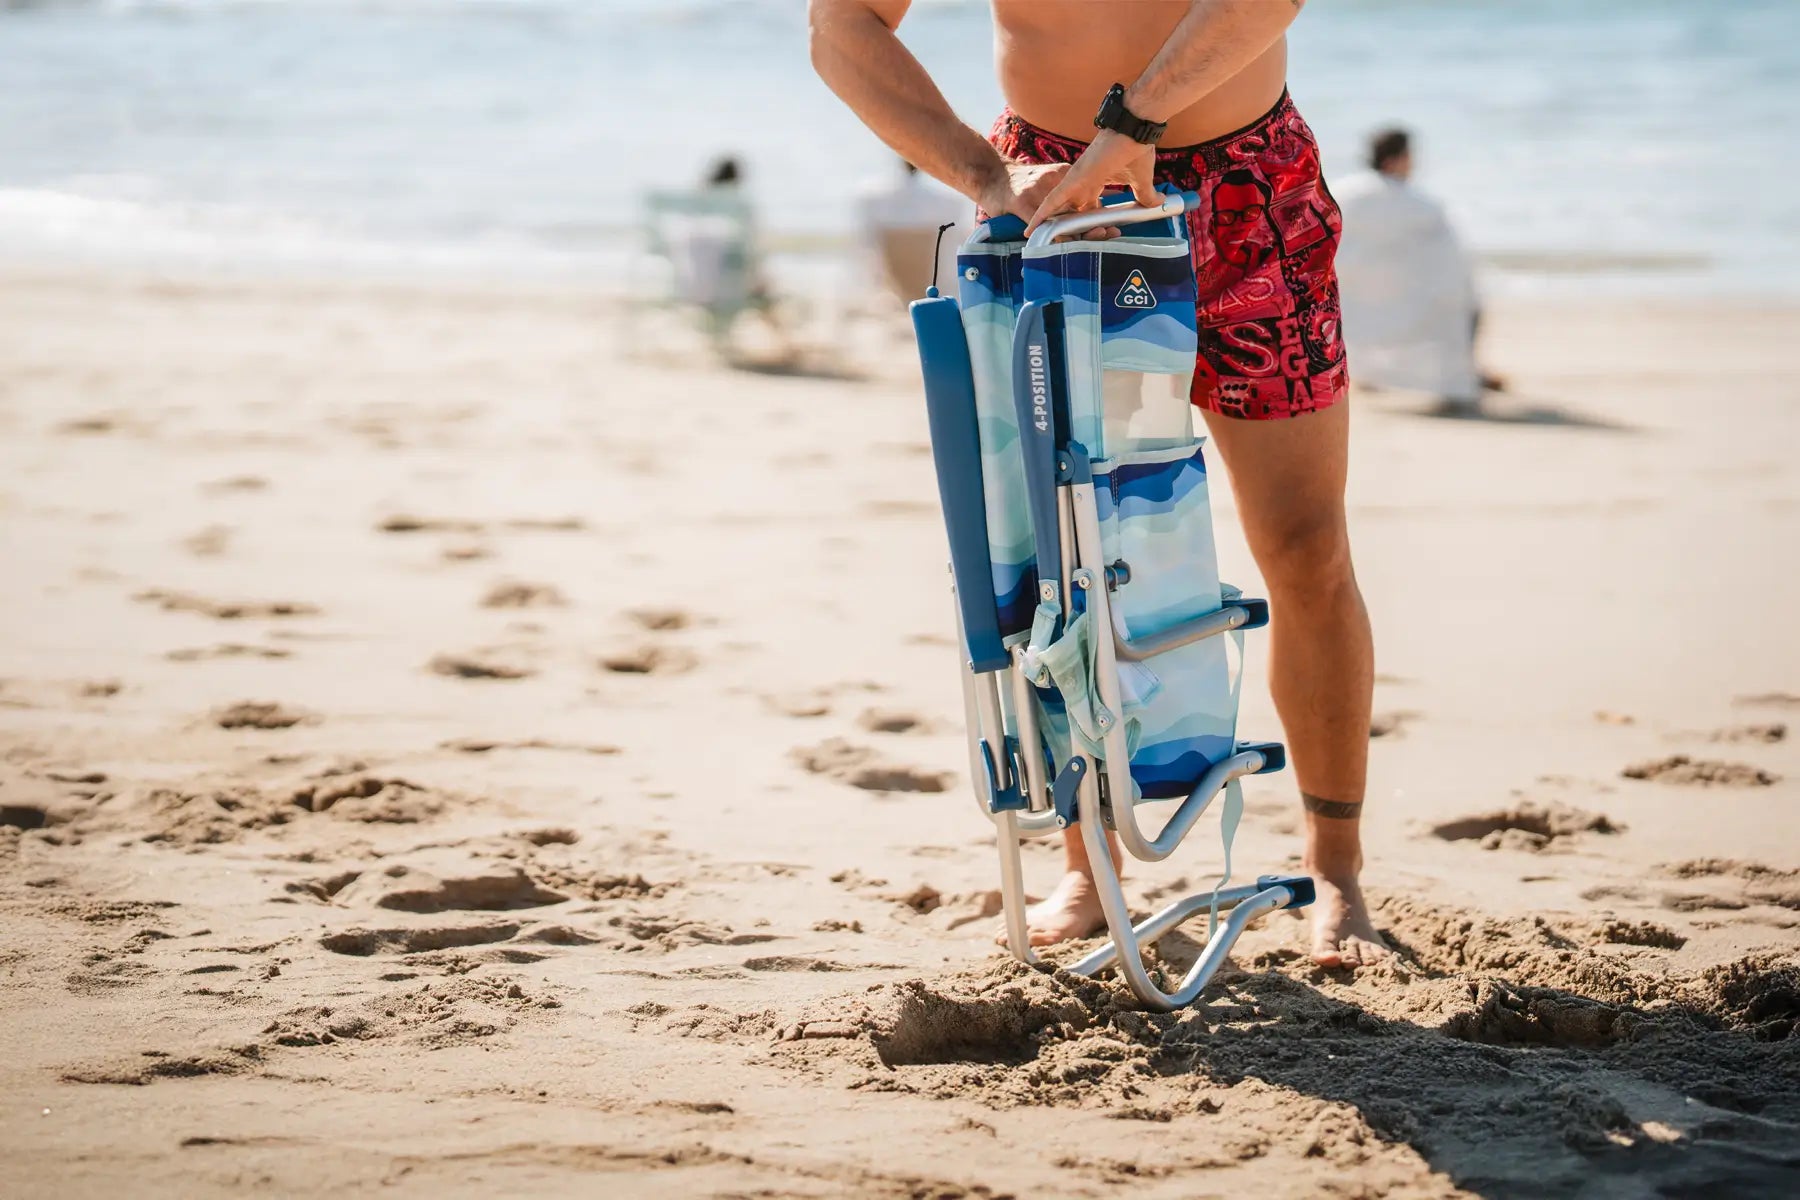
<point x="1307" y="560"/>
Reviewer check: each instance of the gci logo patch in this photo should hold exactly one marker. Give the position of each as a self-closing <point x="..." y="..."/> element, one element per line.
<point x="1136" y="293"/>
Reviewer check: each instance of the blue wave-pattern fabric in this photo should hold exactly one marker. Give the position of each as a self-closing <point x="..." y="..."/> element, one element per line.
<point x="991" y="291"/>
<point x="1155" y="517"/>
<point x="1128" y="304"/>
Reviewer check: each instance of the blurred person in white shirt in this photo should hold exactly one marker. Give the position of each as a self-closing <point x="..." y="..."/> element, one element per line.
<point x="900" y="218"/>
<point x="1411" y="310"/>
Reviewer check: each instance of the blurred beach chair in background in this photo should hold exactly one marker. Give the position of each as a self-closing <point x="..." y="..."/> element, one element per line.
<point x="701" y="244"/>
<point x="1410" y="307"/>
<point x="900" y="220"/>
<point x="1096" y="639"/>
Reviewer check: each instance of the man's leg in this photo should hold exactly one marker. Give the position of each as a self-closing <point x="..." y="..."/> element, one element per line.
<point x="1288" y="477"/>
<point x="1072" y="910"/>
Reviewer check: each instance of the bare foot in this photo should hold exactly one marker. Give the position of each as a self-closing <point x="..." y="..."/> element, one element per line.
<point x="1071" y="911"/>
<point x="1343" y="935"/>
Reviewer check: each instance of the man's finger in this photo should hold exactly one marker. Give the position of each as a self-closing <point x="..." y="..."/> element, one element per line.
<point x="1053" y="206"/>
<point x="1143" y="185"/>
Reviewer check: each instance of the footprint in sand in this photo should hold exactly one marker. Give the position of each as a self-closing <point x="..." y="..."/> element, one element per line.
<point x="1768" y="700"/>
<point x="212" y="814"/>
<point x="210" y="542"/>
<point x="1680" y="769"/>
<point x="237" y="483"/>
<point x="813" y="701"/>
<point x="23" y="816"/>
<point x="796" y="962"/>
<point x="1755" y="883"/>
<point x="98" y="423"/>
<point x="1766" y="734"/>
<point x="436" y="886"/>
<point x="893" y="720"/>
<point x="155" y="1065"/>
<point x="367" y="943"/>
<point x="646" y="932"/>
<point x="800" y="705"/>
<point x="408" y="523"/>
<point x="649" y="658"/>
<point x="479" y="745"/>
<point x="861" y="767"/>
<point x="480" y="664"/>
<point x="465" y="552"/>
<point x="518" y="594"/>
<point x="661" y="620"/>
<point x="1525" y="827"/>
<point x="1640" y="933"/>
<point x="225" y="650"/>
<point x="946" y="911"/>
<point x="440" y="1013"/>
<point x="260" y="714"/>
<point x="224" y="610"/>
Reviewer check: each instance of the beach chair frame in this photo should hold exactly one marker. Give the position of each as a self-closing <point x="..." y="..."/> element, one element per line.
<point x="1024" y="793"/>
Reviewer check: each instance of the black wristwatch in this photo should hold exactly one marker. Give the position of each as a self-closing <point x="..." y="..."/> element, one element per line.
<point x="1115" y="116"/>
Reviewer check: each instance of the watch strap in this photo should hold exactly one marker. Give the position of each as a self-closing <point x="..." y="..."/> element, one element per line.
<point x="1114" y="115"/>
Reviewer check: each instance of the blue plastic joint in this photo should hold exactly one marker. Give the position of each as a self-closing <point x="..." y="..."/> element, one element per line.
<point x="1062" y="792"/>
<point x="1258" y="610"/>
<point x="1000" y="799"/>
<point x="1073" y="464"/>
<point x="1300" y="885"/>
<point x="1274" y="755"/>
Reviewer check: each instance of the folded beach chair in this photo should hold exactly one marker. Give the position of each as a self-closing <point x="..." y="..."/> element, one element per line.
<point x="1102" y="654"/>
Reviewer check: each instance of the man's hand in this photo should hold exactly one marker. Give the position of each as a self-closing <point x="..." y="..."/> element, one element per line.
<point x="1111" y="158"/>
<point x="1019" y="188"/>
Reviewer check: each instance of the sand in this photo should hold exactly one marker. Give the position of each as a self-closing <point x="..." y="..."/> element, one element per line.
<point x="443" y="753"/>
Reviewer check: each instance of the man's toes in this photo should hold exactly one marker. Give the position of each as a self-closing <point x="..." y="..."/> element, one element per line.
<point x="1327" y="953"/>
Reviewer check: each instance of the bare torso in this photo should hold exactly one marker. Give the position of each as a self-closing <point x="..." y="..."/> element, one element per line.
<point x="1056" y="58"/>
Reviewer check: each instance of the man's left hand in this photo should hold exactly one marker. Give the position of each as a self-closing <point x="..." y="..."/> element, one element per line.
<point x="1111" y="158"/>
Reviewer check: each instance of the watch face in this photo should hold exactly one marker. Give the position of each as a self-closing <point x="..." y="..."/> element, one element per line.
<point x="1112" y="109"/>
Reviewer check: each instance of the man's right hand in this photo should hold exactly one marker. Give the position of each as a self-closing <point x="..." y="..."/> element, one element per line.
<point x="1019" y="188"/>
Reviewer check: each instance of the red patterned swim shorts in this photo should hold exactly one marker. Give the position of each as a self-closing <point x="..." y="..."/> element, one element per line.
<point x="1264" y="238"/>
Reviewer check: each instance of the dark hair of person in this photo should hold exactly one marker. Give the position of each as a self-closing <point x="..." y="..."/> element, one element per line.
<point x="1387" y="145"/>
<point x="724" y="171"/>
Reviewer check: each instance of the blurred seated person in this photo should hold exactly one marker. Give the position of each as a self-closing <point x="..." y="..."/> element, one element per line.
<point x="708" y="237"/>
<point x="900" y="220"/>
<point x="1410" y="306"/>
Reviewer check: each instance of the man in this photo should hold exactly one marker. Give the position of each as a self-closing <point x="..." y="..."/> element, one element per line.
<point x="1207" y="77"/>
<point x="1410" y="309"/>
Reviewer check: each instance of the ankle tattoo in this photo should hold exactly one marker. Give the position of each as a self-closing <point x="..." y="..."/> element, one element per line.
<point x="1333" y="810"/>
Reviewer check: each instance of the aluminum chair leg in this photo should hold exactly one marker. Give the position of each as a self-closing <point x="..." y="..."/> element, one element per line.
<point x="1125" y="951"/>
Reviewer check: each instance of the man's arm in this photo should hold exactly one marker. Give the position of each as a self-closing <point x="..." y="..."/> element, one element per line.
<point x="1213" y="42"/>
<point x="857" y="53"/>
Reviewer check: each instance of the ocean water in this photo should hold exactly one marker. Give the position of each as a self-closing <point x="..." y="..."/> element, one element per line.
<point x="1648" y="144"/>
